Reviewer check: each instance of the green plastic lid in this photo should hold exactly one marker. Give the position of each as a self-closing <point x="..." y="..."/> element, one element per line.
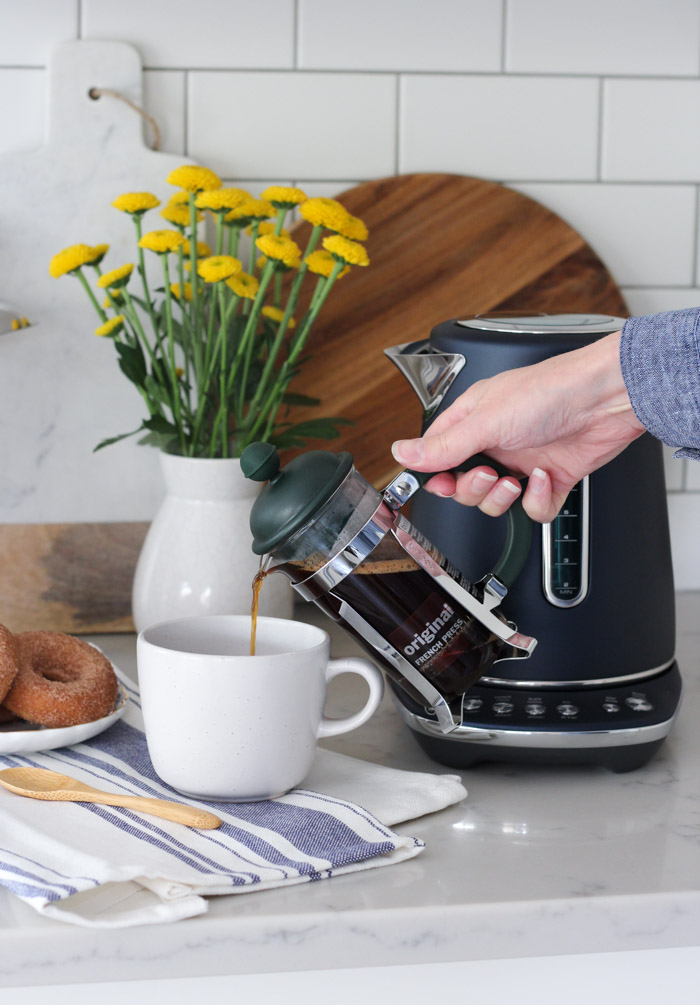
<point x="293" y="494"/>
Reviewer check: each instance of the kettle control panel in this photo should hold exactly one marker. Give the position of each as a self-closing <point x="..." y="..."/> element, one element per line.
<point x="565" y="550"/>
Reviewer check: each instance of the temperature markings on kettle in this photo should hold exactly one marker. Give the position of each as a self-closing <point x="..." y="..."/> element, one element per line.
<point x="428" y="632"/>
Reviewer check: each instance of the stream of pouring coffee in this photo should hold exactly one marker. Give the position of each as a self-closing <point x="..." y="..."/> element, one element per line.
<point x="257" y="584"/>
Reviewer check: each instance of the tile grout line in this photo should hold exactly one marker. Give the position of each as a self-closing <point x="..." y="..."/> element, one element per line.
<point x="504" y="29"/>
<point x="397" y="126"/>
<point x="601" y="105"/>
<point x="295" y="36"/>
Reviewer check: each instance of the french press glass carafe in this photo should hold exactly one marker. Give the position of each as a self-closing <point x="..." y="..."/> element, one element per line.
<point x="346" y="547"/>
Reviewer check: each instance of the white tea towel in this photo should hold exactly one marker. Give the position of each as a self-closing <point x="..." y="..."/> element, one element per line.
<point x="110" y="867"/>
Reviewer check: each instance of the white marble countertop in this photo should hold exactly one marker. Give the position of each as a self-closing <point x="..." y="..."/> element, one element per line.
<point x="534" y="862"/>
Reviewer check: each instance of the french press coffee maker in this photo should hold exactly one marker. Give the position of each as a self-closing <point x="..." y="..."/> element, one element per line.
<point x="348" y="548"/>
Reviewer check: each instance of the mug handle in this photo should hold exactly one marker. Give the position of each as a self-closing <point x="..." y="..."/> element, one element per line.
<point x="332" y="727"/>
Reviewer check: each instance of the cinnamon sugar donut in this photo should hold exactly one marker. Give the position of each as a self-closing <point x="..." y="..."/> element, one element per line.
<point x="61" y="681"/>
<point x="9" y="660"/>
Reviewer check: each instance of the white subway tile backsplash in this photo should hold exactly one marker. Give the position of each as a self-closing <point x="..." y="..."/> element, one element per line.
<point x="30" y="28"/>
<point x="164" y="100"/>
<point x="499" y="127"/>
<point x="22" y="110"/>
<point x="645" y="234"/>
<point x="692" y="477"/>
<point x="684" y="518"/>
<point x="647" y="300"/>
<point x="221" y="33"/>
<point x="650" y="130"/>
<point x="300" y="125"/>
<point x="463" y="35"/>
<point x="650" y="37"/>
<point x="674" y="469"/>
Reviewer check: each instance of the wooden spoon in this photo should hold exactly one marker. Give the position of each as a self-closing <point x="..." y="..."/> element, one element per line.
<point x="39" y="783"/>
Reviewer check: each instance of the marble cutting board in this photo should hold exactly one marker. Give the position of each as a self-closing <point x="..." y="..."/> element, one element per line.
<point x="60" y="388"/>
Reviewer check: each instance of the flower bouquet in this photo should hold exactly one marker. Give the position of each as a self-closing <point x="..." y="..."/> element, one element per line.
<point x="213" y="350"/>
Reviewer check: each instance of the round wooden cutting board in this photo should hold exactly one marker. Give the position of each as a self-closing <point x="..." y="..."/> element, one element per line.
<point x="441" y="246"/>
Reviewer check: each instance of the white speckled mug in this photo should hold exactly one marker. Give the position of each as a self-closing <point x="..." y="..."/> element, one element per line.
<point x="224" y="725"/>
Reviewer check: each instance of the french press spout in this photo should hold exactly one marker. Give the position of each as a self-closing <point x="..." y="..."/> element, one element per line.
<point x="348" y="548"/>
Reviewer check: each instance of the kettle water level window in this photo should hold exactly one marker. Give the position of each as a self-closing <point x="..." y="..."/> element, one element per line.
<point x="565" y="550"/>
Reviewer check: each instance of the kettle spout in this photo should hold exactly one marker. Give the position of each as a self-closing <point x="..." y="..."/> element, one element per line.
<point x="429" y="371"/>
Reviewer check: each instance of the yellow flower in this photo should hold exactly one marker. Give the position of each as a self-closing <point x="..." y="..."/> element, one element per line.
<point x="243" y="285"/>
<point x="98" y="253"/>
<point x="194" y="178"/>
<point x="251" y="209"/>
<point x="15" y="324"/>
<point x="267" y="228"/>
<point x="203" y="249"/>
<point x="116" y="278"/>
<point x="175" y="290"/>
<point x="218" y="268"/>
<point x="354" y="228"/>
<point x="111" y="327"/>
<point x="135" y="202"/>
<point x="178" y="198"/>
<point x="162" y="241"/>
<point x="25" y="322"/>
<point x="323" y="212"/>
<point x="284" y="197"/>
<point x="275" y="314"/>
<point x="321" y="264"/>
<point x="179" y="372"/>
<point x="345" y="250"/>
<point x="222" y="199"/>
<point x="281" y="249"/>
<point x="70" y="259"/>
<point x="113" y="298"/>
<point x="179" y="215"/>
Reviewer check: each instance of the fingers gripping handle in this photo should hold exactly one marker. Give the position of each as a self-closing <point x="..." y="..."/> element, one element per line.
<point x="518" y="524"/>
<point x="332" y="727"/>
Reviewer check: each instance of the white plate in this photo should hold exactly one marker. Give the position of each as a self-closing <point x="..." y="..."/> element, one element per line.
<point x="19" y="738"/>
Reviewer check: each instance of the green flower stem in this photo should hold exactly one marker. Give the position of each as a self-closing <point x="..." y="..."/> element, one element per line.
<point x="232" y="239"/>
<point x="281" y="214"/>
<point x="193" y="265"/>
<point x="86" y="286"/>
<point x="289" y="311"/>
<point x="251" y="324"/>
<point x="171" y="345"/>
<point x="278" y="289"/>
<point x="223" y="403"/>
<point x="286" y="370"/>
<point x="231" y="307"/>
<point x="318" y="291"/>
<point x="194" y="356"/>
<point x="254" y="227"/>
<point x="219" y="233"/>
<point x="141" y="336"/>
<point x="142" y="269"/>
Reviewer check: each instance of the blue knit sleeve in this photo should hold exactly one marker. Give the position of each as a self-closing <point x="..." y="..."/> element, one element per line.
<point x="660" y="359"/>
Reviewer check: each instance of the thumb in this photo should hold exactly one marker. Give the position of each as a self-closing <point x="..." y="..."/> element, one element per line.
<point x="437" y="451"/>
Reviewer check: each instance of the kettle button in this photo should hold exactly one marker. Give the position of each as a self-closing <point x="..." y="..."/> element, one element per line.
<point x="535" y="708"/>
<point x="568" y="710"/>
<point x="639" y="704"/>
<point x="611" y="705"/>
<point x="503" y="707"/>
<point x="472" y="704"/>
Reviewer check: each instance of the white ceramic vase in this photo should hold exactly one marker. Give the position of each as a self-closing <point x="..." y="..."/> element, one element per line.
<point x="197" y="557"/>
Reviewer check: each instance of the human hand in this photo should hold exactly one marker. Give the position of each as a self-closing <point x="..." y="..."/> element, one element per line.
<point x="555" y="421"/>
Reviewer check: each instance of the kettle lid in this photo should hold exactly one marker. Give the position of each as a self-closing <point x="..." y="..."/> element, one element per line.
<point x="293" y="494"/>
<point x="543" y="323"/>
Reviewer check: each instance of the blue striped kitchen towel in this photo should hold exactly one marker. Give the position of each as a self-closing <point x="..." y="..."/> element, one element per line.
<point x="106" y="867"/>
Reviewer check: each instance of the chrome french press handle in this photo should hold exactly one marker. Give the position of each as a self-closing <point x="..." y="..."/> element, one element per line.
<point x="518" y="524"/>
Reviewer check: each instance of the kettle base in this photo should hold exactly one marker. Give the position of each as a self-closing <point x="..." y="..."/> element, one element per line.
<point x="619" y="728"/>
<point x="616" y="759"/>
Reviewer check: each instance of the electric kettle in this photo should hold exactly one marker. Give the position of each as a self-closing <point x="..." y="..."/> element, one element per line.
<point x="596" y="587"/>
<point x="348" y="548"/>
